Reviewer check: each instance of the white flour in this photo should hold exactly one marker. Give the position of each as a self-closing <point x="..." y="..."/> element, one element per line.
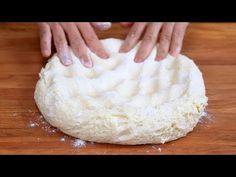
<point x="39" y="122"/>
<point x="79" y="143"/>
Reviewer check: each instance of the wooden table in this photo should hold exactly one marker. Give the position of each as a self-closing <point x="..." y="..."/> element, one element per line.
<point x="22" y="131"/>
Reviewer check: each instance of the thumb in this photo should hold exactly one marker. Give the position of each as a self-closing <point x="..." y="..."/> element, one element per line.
<point x="102" y="25"/>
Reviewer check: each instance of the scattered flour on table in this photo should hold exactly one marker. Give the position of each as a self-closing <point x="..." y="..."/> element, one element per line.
<point x="62" y="139"/>
<point x="39" y="122"/>
<point x="14" y="114"/>
<point x="79" y="143"/>
<point x="157" y="148"/>
<point x="33" y="124"/>
<point x="206" y="118"/>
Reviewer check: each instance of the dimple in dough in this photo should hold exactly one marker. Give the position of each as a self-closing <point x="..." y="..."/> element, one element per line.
<point x="122" y="102"/>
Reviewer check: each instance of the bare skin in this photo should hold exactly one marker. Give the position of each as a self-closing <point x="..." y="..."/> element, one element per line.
<point x="81" y="35"/>
<point x="169" y="35"/>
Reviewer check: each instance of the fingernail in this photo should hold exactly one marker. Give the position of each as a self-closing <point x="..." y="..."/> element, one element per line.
<point x="176" y="52"/>
<point x="46" y="53"/>
<point x="158" y="58"/>
<point x="87" y="63"/>
<point x="103" y="54"/>
<point x="65" y="57"/>
<point x="67" y="62"/>
<point x="122" y="49"/>
<point x="137" y="59"/>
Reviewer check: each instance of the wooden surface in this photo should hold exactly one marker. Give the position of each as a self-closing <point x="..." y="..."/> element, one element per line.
<point x="211" y="45"/>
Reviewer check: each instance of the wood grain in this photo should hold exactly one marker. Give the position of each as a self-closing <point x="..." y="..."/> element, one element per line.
<point x="211" y="45"/>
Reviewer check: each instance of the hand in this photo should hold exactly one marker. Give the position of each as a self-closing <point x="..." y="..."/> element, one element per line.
<point x="169" y="35"/>
<point x="79" y="35"/>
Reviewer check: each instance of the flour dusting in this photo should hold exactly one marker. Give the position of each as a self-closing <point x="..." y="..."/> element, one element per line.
<point x="38" y="121"/>
<point x="33" y="124"/>
<point x="62" y="139"/>
<point x="158" y="149"/>
<point x="14" y="114"/>
<point x="79" y="143"/>
<point x="206" y="117"/>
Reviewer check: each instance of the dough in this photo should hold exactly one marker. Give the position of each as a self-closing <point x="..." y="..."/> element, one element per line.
<point x="122" y="102"/>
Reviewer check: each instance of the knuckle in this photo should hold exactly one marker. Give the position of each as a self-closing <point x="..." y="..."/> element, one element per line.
<point x="54" y="25"/>
<point x="60" y="40"/>
<point x="91" y="39"/>
<point x="176" y="44"/>
<point x="177" y="34"/>
<point x="133" y="33"/>
<point x="149" y="38"/>
<point x="165" y="38"/>
<point x="44" y="43"/>
<point x="76" y="41"/>
<point x="68" y="26"/>
<point x="44" y="31"/>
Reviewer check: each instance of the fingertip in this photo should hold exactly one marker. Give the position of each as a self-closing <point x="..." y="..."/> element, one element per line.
<point x="46" y="53"/>
<point x="175" y="52"/>
<point x="138" y="59"/>
<point x="158" y="58"/>
<point x="67" y="62"/>
<point x="87" y="63"/>
<point x="102" y="25"/>
<point x="123" y="49"/>
<point x="161" y="55"/>
<point x="103" y="54"/>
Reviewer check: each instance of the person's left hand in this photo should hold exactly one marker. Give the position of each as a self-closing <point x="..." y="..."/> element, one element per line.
<point x="169" y="36"/>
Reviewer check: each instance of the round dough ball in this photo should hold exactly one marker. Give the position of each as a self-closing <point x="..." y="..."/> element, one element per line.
<point x="122" y="102"/>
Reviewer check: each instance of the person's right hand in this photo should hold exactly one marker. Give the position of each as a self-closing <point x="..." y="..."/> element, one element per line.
<point x="80" y="35"/>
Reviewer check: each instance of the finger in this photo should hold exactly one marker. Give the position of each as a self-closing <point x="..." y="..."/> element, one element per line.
<point x="177" y="38"/>
<point x="101" y="25"/>
<point x="148" y="42"/>
<point x="77" y="43"/>
<point x="61" y="44"/>
<point x="92" y="40"/>
<point x="133" y="36"/>
<point x="45" y="39"/>
<point x="165" y="39"/>
<point x="126" y="24"/>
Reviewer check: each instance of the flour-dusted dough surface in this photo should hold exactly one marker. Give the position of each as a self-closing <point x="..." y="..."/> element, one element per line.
<point x="122" y="102"/>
